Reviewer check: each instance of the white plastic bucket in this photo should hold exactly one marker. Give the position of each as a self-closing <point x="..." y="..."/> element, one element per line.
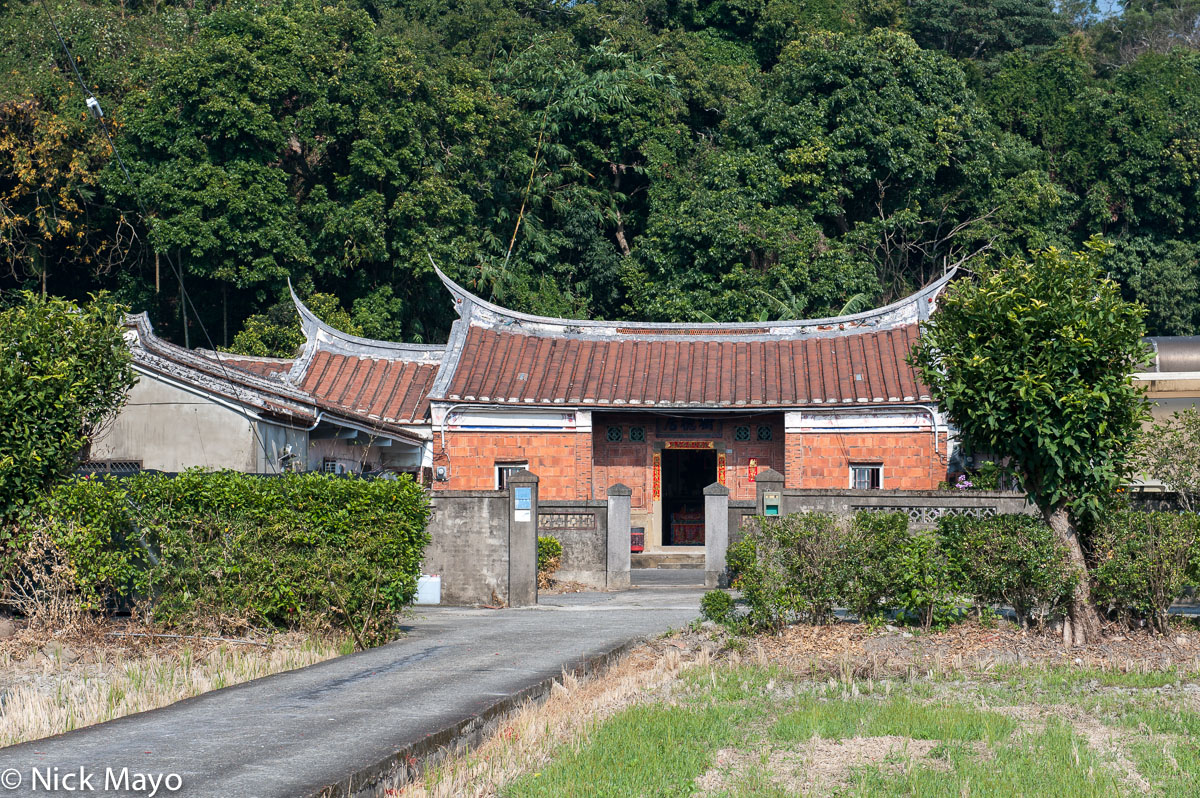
<point x="429" y="589"/>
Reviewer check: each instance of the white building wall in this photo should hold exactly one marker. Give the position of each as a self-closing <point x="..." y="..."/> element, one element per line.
<point x="170" y="428"/>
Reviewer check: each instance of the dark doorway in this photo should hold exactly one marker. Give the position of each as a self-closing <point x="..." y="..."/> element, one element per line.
<point x="685" y="475"/>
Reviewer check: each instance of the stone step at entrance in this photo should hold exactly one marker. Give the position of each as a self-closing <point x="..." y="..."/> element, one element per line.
<point x="672" y="560"/>
<point x="667" y="577"/>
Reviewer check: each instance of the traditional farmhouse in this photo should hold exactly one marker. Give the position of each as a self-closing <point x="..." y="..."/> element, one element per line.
<point x="267" y="415"/>
<point x="664" y="409"/>
<point x="668" y="409"/>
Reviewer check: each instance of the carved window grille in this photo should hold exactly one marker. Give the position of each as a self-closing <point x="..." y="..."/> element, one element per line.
<point x="764" y="432"/>
<point x="637" y="434"/>
<point x="614" y="434"/>
<point x="552" y="521"/>
<point x="929" y="516"/>
<point x="741" y="433"/>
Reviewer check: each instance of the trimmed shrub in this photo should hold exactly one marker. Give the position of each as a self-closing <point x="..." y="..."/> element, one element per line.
<point x="1010" y="559"/>
<point x="1143" y="560"/>
<point x="888" y="567"/>
<point x="549" y="555"/>
<point x="89" y="520"/>
<point x="872" y="570"/>
<point x="925" y="584"/>
<point x="790" y="567"/>
<point x="717" y="606"/>
<point x="799" y="567"/>
<point x="229" y="550"/>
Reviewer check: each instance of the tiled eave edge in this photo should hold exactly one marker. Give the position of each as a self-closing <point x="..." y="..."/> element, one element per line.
<point x="321" y="337"/>
<point x="481" y="313"/>
<point x="157" y="356"/>
<point x="272" y="396"/>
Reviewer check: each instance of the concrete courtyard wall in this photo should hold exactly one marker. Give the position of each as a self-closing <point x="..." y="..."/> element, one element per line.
<point x="468" y="546"/>
<point x="582" y="529"/>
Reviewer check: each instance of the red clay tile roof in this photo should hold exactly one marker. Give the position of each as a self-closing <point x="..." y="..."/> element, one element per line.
<point x="262" y="366"/>
<point x="865" y="367"/>
<point x="378" y="382"/>
<point x="500" y="356"/>
<point x="395" y="391"/>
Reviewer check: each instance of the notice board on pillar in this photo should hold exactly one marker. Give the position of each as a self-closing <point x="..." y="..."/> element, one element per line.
<point x="522" y="503"/>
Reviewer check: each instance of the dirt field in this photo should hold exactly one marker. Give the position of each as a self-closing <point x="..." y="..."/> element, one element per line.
<point x="54" y="682"/>
<point x="842" y="710"/>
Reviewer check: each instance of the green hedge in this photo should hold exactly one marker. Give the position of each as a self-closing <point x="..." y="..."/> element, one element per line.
<point x="1142" y="561"/>
<point x="204" y="548"/>
<point x="799" y="567"/>
<point x="1010" y="559"/>
<point x="789" y="567"/>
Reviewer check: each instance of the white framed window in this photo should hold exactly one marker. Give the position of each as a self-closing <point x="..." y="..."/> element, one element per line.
<point x="866" y="476"/>
<point x="504" y="470"/>
<point x="329" y="465"/>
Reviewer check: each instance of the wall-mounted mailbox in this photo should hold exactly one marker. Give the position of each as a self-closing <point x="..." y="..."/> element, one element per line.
<point x="771" y="502"/>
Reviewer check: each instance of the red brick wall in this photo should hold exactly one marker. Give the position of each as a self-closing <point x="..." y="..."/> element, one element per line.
<point x="629" y="462"/>
<point x="822" y="459"/>
<point x="574" y="465"/>
<point x="562" y="460"/>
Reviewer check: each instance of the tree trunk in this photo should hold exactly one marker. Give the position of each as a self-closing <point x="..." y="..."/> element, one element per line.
<point x="1082" y="624"/>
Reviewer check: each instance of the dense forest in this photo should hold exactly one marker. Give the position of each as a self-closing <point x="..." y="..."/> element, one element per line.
<point x="643" y="159"/>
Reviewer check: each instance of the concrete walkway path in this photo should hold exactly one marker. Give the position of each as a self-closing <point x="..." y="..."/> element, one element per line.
<point x="296" y="733"/>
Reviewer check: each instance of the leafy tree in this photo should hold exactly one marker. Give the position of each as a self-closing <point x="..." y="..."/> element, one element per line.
<point x="727" y="246"/>
<point x="299" y="141"/>
<point x="1169" y="452"/>
<point x="858" y="168"/>
<point x="277" y="333"/>
<point x="983" y="28"/>
<point x="1163" y="275"/>
<point x="1147" y="26"/>
<point x="64" y="370"/>
<point x="1032" y="360"/>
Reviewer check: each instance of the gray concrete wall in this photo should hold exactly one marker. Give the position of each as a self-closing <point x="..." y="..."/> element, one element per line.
<point x="170" y="429"/>
<point x="738" y="512"/>
<point x="582" y="529"/>
<point x="923" y="507"/>
<point x="468" y="546"/>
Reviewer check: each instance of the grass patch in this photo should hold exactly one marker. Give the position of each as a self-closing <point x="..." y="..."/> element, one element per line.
<point x="900" y="716"/>
<point x="1171" y="766"/>
<point x="1056" y="762"/>
<point x="1161" y="719"/>
<point x="645" y="750"/>
<point x="1066" y="678"/>
<point x="45" y="696"/>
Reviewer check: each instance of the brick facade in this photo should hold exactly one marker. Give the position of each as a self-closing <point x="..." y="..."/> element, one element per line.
<point x="583" y="465"/>
<point x="629" y="462"/>
<point x="562" y="460"/>
<point x="823" y="459"/>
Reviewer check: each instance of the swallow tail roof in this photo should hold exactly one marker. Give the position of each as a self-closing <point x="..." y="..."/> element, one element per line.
<point x="500" y="356"/>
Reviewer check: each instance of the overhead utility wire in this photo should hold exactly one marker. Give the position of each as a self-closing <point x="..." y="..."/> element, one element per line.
<point x="97" y="113"/>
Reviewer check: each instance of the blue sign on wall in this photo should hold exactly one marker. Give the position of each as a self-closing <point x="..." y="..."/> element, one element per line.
<point x="524" y="498"/>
